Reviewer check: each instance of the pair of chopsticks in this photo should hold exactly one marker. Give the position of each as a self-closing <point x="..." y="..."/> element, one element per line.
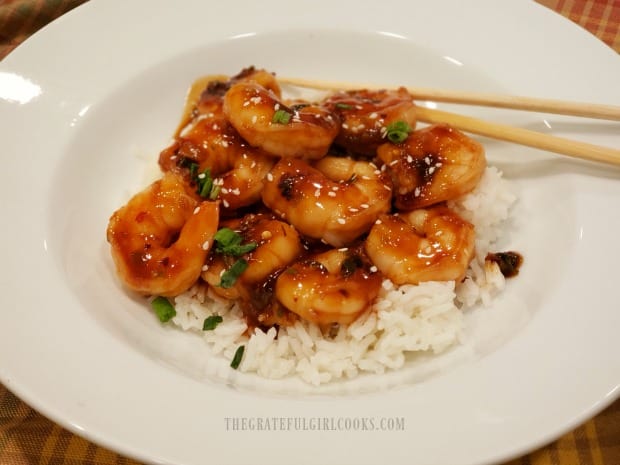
<point x="503" y="132"/>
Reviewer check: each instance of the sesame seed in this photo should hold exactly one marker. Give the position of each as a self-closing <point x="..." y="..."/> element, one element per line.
<point x="431" y="170"/>
<point x="196" y="210"/>
<point x="358" y="107"/>
<point x="215" y="127"/>
<point x="394" y="162"/>
<point x="378" y="222"/>
<point x="276" y="107"/>
<point x="341" y="220"/>
<point x="205" y="245"/>
<point x="254" y="118"/>
<point x="387" y="188"/>
<point x="366" y="178"/>
<point x="226" y="204"/>
<point x="236" y="191"/>
<point x="438" y="164"/>
<point x="331" y="194"/>
<point x="173" y="157"/>
<point x="335" y="188"/>
<point x="427" y="160"/>
<point x="253" y="164"/>
<point x="266" y="235"/>
<point x="205" y="267"/>
<point x="317" y="192"/>
<point x="409" y="159"/>
<point x="416" y="192"/>
<point x="373" y="115"/>
<point x="353" y="210"/>
<point x="224" y="144"/>
<point x="269" y="177"/>
<point x="343" y="249"/>
<point x="224" y="190"/>
<point x="256" y="100"/>
<point x="373" y="269"/>
<point x="364" y="205"/>
<point x="246" y="103"/>
<point x="202" y="176"/>
<point x="345" y="126"/>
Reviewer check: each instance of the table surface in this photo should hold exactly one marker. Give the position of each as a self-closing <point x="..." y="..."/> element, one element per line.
<point x="28" y="438"/>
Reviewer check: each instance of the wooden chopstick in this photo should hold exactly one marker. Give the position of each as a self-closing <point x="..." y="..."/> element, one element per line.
<point x="521" y="136"/>
<point x="588" y="110"/>
<point x="503" y="132"/>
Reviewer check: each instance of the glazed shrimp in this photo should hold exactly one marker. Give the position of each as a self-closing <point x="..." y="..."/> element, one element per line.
<point x="432" y="165"/>
<point x="263" y="120"/>
<point x="331" y="287"/>
<point x="161" y="238"/>
<point x="365" y="116"/>
<point x="432" y="244"/>
<point x="212" y="143"/>
<point x="336" y="200"/>
<point x="277" y="245"/>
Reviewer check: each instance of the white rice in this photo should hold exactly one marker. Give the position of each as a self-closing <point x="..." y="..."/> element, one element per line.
<point x="404" y="321"/>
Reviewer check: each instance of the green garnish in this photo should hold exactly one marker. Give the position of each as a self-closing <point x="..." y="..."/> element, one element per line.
<point x="211" y="322"/>
<point x="281" y="117"/>
<point x="397" y="131"/>
<point x="215" y="191"/>
<point x="163" y="309"/>
<point x="230" y="276"/>
<point x="228" y="242"/>
<point x="205" y="184"/>
<point x="237" y="358"/>
<point x="193" y="170"/>
<point x="344" y="106"/>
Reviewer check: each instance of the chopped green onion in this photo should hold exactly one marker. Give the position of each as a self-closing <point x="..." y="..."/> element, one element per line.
<point x="215" y="191"/>
<point x="230" y="276"/>
<point x="228" y="242"/>
<point x="193" y="170"/>
<point x="397" y="131"/>
<point x="344" y="106"/>
<point x="237" y="358"/>
<point x="205" y="184"/>
<point x="211" y="322"/>
<point x="163" y="309"/>
<point x="281" y="117"/>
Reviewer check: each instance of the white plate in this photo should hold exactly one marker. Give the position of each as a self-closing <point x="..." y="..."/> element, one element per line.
<point x="89" y="101"/>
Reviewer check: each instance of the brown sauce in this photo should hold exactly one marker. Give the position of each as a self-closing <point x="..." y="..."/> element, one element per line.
<point x="509" y="262"/>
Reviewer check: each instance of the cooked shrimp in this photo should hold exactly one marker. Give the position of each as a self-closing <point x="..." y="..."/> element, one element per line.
<point x="331" y="287"/>
<point x="263" y="120"/>
<point x="212" y="143"/>
<point x="433" y="165"/>
<point x="213" y="89"/>
<point x="365" y="116"/>
<point x="432" y="244"/>
<point x="336" y="200"/>
<point x="161" y="238"/>
<point x="277" y="245"/>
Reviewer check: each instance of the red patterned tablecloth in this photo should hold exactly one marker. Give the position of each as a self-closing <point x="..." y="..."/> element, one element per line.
<point x="28" y="438"/>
